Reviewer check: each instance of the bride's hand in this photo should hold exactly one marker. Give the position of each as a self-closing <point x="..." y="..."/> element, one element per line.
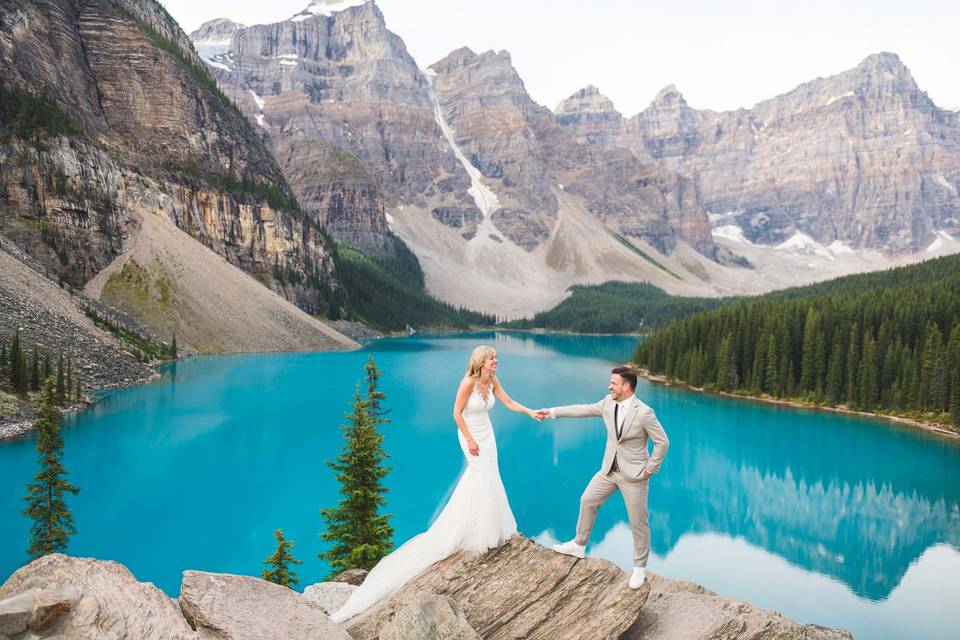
<point x="535" y="415"/>
<point x="473" y="447"/>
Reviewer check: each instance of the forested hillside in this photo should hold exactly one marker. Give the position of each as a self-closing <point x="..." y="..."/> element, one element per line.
<point x="886" y="341"/>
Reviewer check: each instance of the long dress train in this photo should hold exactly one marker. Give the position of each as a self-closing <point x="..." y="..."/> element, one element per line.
<point x="476" y="518"/>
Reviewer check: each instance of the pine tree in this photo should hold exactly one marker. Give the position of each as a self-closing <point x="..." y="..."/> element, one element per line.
<point x="173" y="346"/>
<point x="359" y="533"/>
<point x="15" y="358"/>
<point x="773" y="367"/>
<point x="809" y="366"/>
<point x="375" y="397"/>
<point x="68" y="383"/>
<point x="76" y="391"/>
<point x="279" y="571"/>
<point x="868" y="373"/>
<point x="955" y="403"/>
<point x="725" y="371"/>
<point x="931" y="371"/>
<point x="35" y="371"/>
<point x="834" y="385"/>
<point x="853" y="365"/>
<point x="61" y="389"/>
<point x="46" y="365"/>
<point x="52" y="522"/>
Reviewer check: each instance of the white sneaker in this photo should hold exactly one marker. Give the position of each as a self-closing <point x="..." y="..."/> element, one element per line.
<point x="637" y="577"/>
<point x="571" y="548"/>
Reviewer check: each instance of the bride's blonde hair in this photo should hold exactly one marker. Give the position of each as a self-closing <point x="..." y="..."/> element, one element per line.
<point x="477" y="358"/>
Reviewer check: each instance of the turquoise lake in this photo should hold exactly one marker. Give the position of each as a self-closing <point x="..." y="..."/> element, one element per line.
<point x="836" y="520"/>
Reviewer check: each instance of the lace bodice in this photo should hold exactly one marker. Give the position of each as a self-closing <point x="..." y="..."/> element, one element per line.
<point x="476" y="404"/>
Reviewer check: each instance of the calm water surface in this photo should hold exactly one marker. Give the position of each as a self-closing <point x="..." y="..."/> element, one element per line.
<point x="842" y="521"/>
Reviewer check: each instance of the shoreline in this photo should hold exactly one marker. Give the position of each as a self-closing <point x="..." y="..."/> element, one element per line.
<point x="930" y="427"/>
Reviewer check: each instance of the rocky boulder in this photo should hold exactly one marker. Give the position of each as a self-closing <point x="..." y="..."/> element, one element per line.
<point x="66" y="598"/>
<point x="426" y="616"/>
<point x="329" y="596"/>
<point x="519" y="590"/>
<point x="677" y="609"/>
<point x="228" y="607"/>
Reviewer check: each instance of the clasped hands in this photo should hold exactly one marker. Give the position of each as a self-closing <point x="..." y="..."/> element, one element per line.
<point x="539" y="414"/>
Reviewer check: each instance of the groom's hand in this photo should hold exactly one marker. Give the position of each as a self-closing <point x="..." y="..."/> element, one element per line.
<point x="543" y="414"/>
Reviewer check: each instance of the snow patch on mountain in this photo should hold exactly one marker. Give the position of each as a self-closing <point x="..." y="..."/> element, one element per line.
<point x="326" y="8"/>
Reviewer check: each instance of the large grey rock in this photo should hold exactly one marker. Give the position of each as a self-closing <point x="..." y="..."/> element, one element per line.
<point x="228" y="607"/>
<point x="105" y="601"/>
<point x="15" y="612"/>
<point x="521" y="590"/>
<point x="329" y="596"/>
<point x="678" y="610"/>
<point x="427" y="616"/>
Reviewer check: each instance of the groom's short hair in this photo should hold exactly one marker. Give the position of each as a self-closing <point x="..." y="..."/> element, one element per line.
<point x="628" y="374"/>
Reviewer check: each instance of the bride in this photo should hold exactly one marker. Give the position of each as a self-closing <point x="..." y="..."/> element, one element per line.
<point x="477" y="517"/>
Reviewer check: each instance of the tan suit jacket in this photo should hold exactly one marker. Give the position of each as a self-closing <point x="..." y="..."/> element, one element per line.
<point x="630" y="449"/>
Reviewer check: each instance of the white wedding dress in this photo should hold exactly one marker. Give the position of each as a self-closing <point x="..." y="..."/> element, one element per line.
<point x="476" y="518"/>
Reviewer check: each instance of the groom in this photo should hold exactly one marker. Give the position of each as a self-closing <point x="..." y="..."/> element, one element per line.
<point x="626" y="464"/>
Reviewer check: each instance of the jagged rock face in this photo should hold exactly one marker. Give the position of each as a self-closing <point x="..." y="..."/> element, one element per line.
<point x="346" y="81"/>
<point x="143" y="110"/>
<point x="623" y="186"/>
<point x="590" y="117"/>
<point x="863" y="157"/>
<point x="498" y="127"/>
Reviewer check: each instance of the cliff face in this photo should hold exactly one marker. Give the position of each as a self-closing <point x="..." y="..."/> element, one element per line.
<point x="336" y="75"/>
<point x="863" y="157"/>
<point x="346" y="112"/>
<point x="138" y="103"/>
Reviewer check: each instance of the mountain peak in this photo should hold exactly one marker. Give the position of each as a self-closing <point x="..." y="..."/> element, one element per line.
<point x="327" y="8"/>
<point x="668" y="93"/>
<point x="588" y="99"/>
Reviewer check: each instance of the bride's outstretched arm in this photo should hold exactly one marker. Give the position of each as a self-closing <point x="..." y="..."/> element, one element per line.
<point x="463" y="394"/>
<point x="510" y="403"/>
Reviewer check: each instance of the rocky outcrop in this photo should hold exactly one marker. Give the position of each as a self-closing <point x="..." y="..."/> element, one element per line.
<point x="678" y="609"/>
<point x="104" y="601"/>
<point x="52" y="318"/>
<point x="517" y="590"/>
<point x="521" y="589"/>
<point x="228" y="607"/>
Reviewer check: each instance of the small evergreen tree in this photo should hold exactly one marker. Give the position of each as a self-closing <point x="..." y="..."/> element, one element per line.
<point x="278" y="565"/>
<point x="52" y="522"/>
<point x="61" y="389"/>
<point x="375" y="397"/>
<point x="76" y="391"/>
<point x="173" y="346"/>
<point x="68" y="383"/>
<point x="35" y="370"/>
<point x="359" y="534"/>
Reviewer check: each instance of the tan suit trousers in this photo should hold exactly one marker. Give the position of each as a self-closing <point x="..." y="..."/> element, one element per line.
<point x="634" y="494"/>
